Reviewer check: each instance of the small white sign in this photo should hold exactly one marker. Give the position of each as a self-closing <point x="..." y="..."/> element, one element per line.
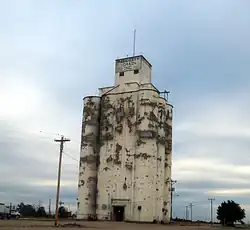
<point x="128" y="64"/>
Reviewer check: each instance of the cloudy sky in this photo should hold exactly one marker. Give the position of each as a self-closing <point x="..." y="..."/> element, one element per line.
<point x="55" y="52"/>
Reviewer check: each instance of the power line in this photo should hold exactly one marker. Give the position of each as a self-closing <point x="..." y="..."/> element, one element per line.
<point x="211" y="206"/>
<point x="77" y="142"/>
<point x="57" y="134"/>
<point x="73" y="158"/>
<point x="62" y="141"/>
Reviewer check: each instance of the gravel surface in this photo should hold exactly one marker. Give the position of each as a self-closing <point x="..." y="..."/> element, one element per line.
<point x="69" y="224"/>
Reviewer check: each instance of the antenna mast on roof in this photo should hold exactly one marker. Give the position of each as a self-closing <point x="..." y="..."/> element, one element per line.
<point x="134" y="43"/>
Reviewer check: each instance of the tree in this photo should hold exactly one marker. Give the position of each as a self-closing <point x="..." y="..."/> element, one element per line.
<point x="41" y="212"/>
<point x="229" y="212"/>
<point x="26" y="210"/>
<point x="62" y="211"/>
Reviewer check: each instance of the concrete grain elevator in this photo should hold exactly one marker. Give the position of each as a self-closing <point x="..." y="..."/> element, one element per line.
<point x="126" y="149"/>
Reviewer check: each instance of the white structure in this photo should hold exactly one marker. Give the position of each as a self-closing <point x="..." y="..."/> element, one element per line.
<point x="126" y="151"/>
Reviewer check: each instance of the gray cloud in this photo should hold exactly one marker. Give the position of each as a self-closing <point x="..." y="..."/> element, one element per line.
<point x="17" y="193"/>
<point x="196" y="192"/>
<point x="54" y="53"/>
<point x="30" y="165"/>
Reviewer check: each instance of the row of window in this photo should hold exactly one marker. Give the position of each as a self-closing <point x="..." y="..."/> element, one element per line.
<point x="136" y="71"/>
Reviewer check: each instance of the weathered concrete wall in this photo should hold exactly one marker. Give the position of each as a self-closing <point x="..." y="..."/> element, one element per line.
<point x="132" y="167"/>
<point x="168" y="161"/>
<point x="146" y="72"/>
<point x="164" y="146"/>
<point x="89" y="158"/>
<point x="127" y="66"/>
<point x="161" y="140"/>
<point x="146" y="157"/>
<point x="133" y="152"/>
<point x="117" y="147"/>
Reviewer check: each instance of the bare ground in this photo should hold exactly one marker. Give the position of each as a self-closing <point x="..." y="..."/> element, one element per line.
<point x="69" y="225"/>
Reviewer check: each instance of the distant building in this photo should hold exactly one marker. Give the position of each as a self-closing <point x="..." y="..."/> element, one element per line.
<point x="126" y="149"/>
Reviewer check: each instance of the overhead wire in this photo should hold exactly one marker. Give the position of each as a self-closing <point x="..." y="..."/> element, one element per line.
<point x="73" y="158"/>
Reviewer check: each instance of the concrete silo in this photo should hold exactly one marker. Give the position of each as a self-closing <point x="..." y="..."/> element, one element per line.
<point x="89" y="158"/>
<point x="133" y="124"/>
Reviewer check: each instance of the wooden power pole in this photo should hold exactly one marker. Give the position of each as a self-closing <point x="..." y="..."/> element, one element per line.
<point x="62" y="141"/>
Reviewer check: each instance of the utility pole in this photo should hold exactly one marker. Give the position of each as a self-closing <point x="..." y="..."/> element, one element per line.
<point x="10" y="208"/>
<point x="39" y="204"/>
<point x="62" y="141"/>
<point x="49" y="207"/>
<point x="191" y="211"/>
<point x="211" y="206"/>
<point x="172" y="182"/>
<point x="186" y="212"/>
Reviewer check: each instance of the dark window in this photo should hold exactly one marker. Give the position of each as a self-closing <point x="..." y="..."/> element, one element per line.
<point x="121" y="73"/>
<point x="136" y="71"/>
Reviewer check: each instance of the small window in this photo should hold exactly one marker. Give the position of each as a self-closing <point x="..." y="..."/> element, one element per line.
<point x="136" y="71"/>
<point x="121" y="73"/>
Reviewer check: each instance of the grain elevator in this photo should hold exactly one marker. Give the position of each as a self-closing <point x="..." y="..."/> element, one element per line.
<point x="126" y="149"/>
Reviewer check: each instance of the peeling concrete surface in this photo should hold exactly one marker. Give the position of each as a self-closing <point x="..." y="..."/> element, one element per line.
<point x="89" y="158"/>
<point x="127" y="148"/>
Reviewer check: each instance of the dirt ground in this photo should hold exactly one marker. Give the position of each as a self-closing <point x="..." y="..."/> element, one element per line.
<point x="48" y="224"/>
